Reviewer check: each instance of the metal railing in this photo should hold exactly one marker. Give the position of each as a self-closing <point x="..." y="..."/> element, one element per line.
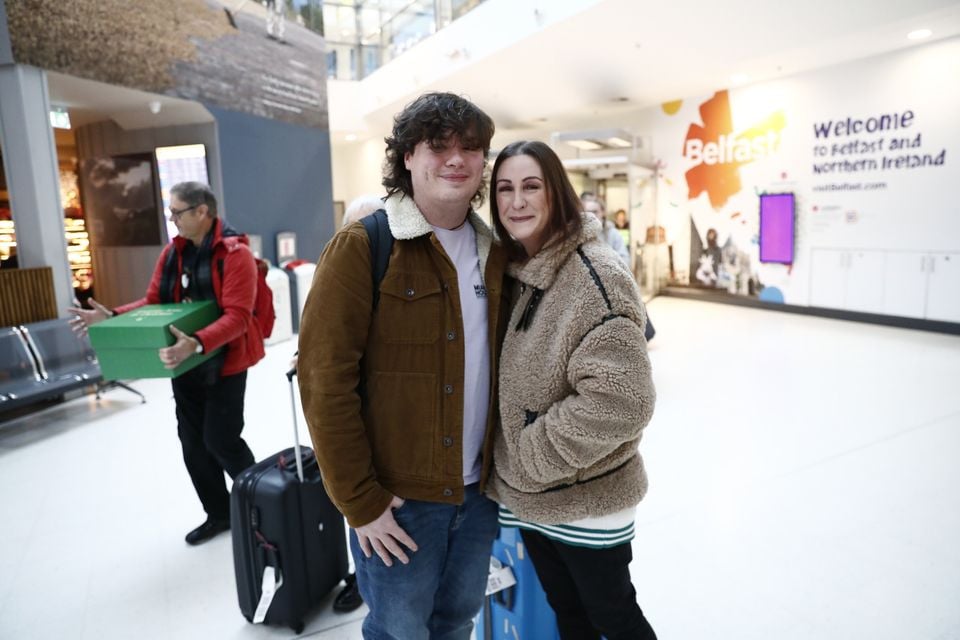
<point x="363" y="35"/>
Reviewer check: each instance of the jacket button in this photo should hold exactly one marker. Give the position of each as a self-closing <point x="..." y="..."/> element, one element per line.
<point x="448" y="389"/>
<point x="410" y="293"/>
<point x="451" y="335"/>
<point x="447" y="441"/>
<point x="448" y="492"/>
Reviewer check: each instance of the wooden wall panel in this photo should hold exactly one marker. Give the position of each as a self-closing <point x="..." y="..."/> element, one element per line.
<point x="26" y="295"/>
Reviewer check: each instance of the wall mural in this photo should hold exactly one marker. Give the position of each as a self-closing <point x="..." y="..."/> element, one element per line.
<point x="266" y="59"/>
<point x="717" y="153"/>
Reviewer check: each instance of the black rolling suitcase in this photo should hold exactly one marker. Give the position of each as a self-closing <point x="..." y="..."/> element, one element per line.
<point x="289" y="547"/>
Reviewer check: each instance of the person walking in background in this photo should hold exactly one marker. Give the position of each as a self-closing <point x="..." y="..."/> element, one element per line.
<point x="575" y="395"/>
<point x="398" y="381"/>
<point x="595" y="205"/>
<point x="209" y="398"/>
<point x="359" y="208"/>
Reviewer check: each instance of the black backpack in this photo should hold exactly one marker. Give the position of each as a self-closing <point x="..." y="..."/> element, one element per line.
<point x="381" y="244"/>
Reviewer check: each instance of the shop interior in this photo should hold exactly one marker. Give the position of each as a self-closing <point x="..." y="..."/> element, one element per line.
<point x="77" y="104"/>
<point x="74" y="225"/>
<point x="8" y="238"/>
<point x="616" y="165"/>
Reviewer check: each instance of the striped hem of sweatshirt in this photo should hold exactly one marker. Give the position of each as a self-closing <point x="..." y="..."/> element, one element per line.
<point x="596" y="533"/>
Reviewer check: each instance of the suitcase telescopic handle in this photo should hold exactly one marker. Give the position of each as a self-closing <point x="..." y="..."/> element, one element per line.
<point x="296" y="434"/>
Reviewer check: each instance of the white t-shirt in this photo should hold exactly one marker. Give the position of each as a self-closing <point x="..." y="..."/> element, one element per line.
<point x="461" y="247"/>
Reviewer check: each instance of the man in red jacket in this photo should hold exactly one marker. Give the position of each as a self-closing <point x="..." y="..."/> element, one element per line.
<point x="207" y="261"/>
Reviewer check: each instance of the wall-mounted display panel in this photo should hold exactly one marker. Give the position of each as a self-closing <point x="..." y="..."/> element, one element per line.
<point x="777" y="220"/>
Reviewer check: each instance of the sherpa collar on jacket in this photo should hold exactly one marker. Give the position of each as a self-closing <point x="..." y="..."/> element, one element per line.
<point x="407" y="222"/>
<point x="541" y="270"/>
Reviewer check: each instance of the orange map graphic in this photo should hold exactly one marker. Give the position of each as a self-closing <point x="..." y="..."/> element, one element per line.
<point x="724" y="153"/>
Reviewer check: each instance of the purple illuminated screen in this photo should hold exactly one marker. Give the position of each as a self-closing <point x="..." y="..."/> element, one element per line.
<point x="776" y="227"/>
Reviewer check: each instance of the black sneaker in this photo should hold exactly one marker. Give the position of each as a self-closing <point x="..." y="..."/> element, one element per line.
<point x="349" y="598"/>
<point x="207" y="530"/>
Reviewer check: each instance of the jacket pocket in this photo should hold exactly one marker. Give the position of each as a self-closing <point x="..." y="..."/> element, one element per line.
<point x="410" y="309"/>
<point x="402" y="423"/>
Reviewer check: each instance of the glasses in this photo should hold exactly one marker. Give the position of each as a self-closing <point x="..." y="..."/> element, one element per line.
<point x="176" y="213"/>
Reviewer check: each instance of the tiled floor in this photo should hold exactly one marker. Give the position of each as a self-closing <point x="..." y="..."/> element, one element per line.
<point x="804" y="484"/>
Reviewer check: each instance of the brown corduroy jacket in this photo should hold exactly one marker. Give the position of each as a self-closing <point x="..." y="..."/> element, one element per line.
<point x="405" y="437"/>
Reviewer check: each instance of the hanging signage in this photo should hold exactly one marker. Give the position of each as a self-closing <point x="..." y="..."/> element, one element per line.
<point x="59" y="118"/>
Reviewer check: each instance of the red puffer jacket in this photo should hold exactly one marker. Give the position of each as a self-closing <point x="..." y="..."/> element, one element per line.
<point x="235" y="293"/>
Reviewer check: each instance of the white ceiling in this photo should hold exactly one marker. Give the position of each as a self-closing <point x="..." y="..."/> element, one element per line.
<point x="89" y="101"/>
<point x="622" y="55"/>
<point x="592" y="63"/>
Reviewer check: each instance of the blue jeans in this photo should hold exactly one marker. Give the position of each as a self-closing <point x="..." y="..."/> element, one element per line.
<point x="439" y="592"/>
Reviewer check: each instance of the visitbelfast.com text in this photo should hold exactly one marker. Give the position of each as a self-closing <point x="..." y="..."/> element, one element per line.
<point x="850" y="186"/>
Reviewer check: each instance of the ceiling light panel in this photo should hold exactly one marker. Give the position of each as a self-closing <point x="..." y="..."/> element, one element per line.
<point x="585" y="145"/>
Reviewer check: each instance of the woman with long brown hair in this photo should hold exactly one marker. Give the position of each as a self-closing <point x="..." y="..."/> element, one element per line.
<point x="575" y="393"/>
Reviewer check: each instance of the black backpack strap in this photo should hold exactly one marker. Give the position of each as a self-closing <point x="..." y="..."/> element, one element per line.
<point x="648" y="330"/>
<point x="381" y="244"/>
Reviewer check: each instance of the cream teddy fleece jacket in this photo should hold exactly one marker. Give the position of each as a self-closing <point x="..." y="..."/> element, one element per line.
<point x="575" y="385"/>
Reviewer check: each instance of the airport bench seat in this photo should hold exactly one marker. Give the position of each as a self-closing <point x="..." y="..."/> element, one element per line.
<point x="42" y="360"/>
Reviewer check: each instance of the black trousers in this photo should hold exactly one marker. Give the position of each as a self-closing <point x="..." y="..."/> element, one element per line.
<point x="589" y="589"/>
<point x="209" y="422"/>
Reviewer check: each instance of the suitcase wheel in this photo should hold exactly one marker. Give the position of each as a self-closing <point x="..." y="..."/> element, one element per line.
<point x="297" y="627"/>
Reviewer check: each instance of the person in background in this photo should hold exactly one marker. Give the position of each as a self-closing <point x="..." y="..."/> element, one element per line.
<point x="398" y="392"/>
<point x="360" y="207"/>
<point x="349" y="597"/>
<point x="620" y="219"/>
<point x="595" y="205"/>
<point x="575" y="395"/>
<point x="622" y="223"/>
<point x="209" y="398"/>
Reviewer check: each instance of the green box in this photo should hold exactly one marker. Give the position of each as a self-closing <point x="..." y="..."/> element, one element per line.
<point x="128" y="344"/>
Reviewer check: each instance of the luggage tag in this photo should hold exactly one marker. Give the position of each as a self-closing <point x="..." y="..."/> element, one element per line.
<point x="500" y="577"/>
<point x="268" y="588"/>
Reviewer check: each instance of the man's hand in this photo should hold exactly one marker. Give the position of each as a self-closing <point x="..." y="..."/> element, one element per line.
<point x="183" y="348"/>
<point x="384" y="536"/>
<point x="83" y="318"/>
